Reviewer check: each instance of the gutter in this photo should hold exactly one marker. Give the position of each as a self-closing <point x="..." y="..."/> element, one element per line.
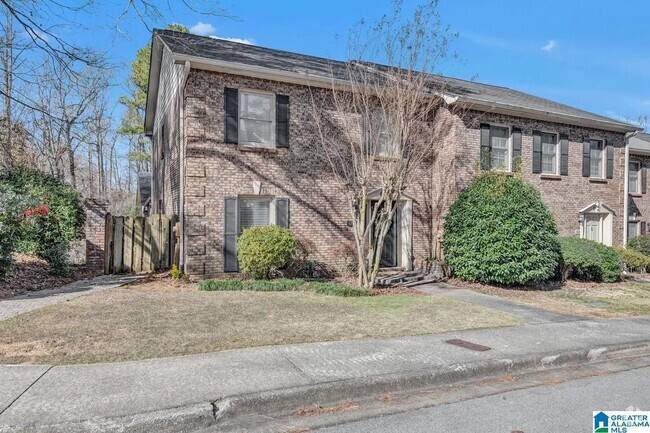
<point x="181" y="211"/>
<point x="626" y="185"/>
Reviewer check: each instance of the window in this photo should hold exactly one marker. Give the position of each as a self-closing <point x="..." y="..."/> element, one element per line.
<point x="634" y="179"/>
<point x="500" y="143"/>
<point x="549" y="153"/>
<point x="632" y="229"/>
<point x="256" y="119"/>
<point x="597" y="166"/>
<point x="254" y="212"/>
<point x="379" y="139"/>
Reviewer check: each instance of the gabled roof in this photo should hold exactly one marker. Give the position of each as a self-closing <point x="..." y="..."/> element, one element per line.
<point x="250" y="60"/>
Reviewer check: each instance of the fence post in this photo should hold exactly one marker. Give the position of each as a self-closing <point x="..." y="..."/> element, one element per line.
<point x="95" y="229"/>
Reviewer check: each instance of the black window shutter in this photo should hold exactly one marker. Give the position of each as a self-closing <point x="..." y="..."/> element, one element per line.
<point x="282" y="212"/>
<point x="564" y="154"/>
<point x="230" y="231"/>
<point x="486" y="148"/>
<point x="644" y="228"/>
<point x="282" y="121"/>
<point x="644" y="178"/>
<point x="516" y="145"/>
<point x="231" y="98"/>
<point x="586" y="157"/>
<point x="537" y="152"/>
<point x="610" y="159"/>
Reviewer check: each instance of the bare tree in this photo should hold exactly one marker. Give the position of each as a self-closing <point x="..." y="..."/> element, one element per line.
<point x="376" y="131"/>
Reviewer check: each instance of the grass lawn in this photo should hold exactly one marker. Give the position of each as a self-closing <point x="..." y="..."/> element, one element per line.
<point x="625" y="298"/>
<point x="163" y="318"/>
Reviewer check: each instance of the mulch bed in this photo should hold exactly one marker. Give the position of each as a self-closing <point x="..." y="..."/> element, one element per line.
<point x="31" y="274"/>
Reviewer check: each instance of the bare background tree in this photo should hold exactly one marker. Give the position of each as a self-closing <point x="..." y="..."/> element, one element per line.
<point x="58" y="114"/>
<point x="376" y="133"/>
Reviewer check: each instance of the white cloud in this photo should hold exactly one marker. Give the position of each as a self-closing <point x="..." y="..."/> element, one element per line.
<point x="247" y="41"/>
<point x="203" y="29"/>
<point x="552" y="44"/>
<point x="37" y="35"/>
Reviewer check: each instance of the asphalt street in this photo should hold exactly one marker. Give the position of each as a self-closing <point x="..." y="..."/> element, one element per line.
<point x="565" y="407"/>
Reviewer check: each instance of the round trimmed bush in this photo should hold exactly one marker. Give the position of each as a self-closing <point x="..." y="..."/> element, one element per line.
<point x="500" y="231"/>
<point x="583" y="259"/>
<point x="262" y="250"/>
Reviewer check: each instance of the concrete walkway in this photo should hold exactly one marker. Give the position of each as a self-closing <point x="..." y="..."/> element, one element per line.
<point x="31" y="301"/>
<point x="530" y="315"/>
<point x="101" y="397"/>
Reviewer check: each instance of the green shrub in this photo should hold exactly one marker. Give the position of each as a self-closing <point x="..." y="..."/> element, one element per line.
<point x="640" y="244"/>
<point x="279" y="285"/>
<point x="284" y="285"/>
<point x="500" y="231"/>
<point x="48" y="215"/>
<point x="262" y="250"/>
<point x="633" y="260"/>
<point x="7" y="242"/>
<point x="588" y="260"/>
<point x="175" y="272"/>
<point x="335" y="289"/>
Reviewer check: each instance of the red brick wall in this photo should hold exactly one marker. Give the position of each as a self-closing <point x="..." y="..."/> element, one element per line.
<point x="564" y="196"/>
<point x="215" y="170"/>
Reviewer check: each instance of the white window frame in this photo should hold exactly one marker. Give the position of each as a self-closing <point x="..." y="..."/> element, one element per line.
<point x="271" y="199"/>
<point x="508" y="167"/>
<point x="240" y="96"/>
<point x="556" y="169"/>
<point x="603" y="162"/>
<point x="637" y="184"/>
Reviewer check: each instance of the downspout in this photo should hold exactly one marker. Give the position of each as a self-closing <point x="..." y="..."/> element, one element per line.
<point x="626" y="185"/>
<point x="181" y="212"/>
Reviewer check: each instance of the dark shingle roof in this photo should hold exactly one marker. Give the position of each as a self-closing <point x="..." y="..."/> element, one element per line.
<point x="643" y="136"/>
<point x="473" y="92"/>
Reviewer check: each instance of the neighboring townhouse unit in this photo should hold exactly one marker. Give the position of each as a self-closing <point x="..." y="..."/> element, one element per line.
<point x="638" y="157"/>
<point x="233" y="148"/>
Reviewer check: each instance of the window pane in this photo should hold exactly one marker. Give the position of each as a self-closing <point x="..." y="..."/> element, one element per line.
<point x="255" y="106"/>
<point x="256" y="132"/>
<point x="596" y="167"/>
<point x="633" y="177"/>
<point x="254" y="212"/>
<point x="549" y="152"/>
<point x="500" y="148"/>
<point x="499" y="159"/>
<point x="385" y="146"/>
<point x="631" y="230"/>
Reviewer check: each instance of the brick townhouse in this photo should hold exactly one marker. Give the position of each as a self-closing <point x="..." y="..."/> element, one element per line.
<point x="230" y="127"/>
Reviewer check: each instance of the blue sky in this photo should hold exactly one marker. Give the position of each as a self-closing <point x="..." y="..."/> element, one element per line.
<point x="594" y="55"/>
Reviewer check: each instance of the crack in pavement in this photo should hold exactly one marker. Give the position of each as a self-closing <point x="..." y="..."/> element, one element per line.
<point x="26" y="389"/>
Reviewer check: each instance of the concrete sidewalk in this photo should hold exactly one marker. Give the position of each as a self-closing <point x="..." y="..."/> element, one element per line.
<point x="530" y="315"/>
<point x="189" y="392"/>
<point x="34" y="300"/>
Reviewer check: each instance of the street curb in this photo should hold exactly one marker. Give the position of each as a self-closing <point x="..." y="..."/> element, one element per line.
<point x="224" y="412"/>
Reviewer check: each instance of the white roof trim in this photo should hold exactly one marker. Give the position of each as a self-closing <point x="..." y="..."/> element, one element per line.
<point x="597" y="205"/>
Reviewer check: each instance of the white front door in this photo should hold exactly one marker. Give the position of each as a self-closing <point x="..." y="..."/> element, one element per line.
<point x="592" y="227"/>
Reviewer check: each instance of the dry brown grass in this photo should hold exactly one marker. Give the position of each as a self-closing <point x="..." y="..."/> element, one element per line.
<point x="625" y="298"/>
<point x="165" y="318"/>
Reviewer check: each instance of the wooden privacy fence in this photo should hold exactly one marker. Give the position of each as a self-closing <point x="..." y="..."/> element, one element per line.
<point x="140" y="244"/>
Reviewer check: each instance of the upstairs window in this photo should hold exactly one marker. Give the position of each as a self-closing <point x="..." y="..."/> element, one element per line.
<point x="256" y="119"/>
<point x="597" y="160"/>
<point x="634" y="178"/>
<point x="549" y="153"/>
<point x="500" y="144"/>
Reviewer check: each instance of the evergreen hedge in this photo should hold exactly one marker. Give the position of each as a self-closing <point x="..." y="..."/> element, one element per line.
<point x="500" y="231"/>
